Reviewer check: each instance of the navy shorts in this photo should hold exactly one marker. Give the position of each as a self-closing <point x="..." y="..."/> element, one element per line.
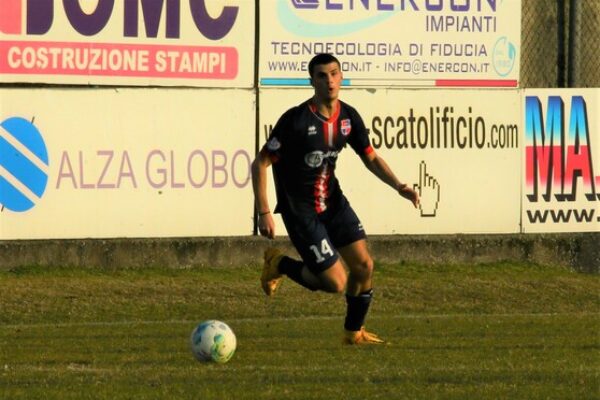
<point x="317" y="237"/>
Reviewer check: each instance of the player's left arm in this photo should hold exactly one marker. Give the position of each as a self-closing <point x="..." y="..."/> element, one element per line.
<point x="381" y="169"/>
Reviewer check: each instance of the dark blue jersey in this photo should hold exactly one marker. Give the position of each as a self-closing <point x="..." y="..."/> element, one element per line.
<point x="304" y="146"/>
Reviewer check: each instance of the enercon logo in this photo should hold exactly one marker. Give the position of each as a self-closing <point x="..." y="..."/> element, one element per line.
<point x="300" y="26"/>
<point x="23" y="164"/>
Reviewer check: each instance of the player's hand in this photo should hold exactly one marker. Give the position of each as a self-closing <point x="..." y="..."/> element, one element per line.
<point x="266" y="226"/>
<point x="409" y="194"/>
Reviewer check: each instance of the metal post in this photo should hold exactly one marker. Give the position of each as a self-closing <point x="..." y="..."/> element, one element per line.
<point x="561" y="35"/>
<point x="574" y="42"/>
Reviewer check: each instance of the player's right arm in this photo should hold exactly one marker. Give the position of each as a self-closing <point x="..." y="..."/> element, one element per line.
<point x="266" y="225"/>
<point x="269" y="154"/>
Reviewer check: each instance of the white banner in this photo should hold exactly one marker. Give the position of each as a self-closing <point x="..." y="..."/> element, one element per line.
<point x="459" y="149"/>
<point x="170" y="43"/>
<point x="393" y="43"/>
<point x="561" y="188"/>
<point x="125" y="163"/>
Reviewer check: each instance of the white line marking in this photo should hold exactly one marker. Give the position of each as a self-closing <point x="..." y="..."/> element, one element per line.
<point x="303" y="318"/>
<point x="413" y="371"/>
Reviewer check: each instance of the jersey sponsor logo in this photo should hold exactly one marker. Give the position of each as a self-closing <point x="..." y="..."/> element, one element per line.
<point x="315" y="158"/>
<point x="273" y="144"/>
<point x="312" y="130"/>
<point x="346" y="127"/>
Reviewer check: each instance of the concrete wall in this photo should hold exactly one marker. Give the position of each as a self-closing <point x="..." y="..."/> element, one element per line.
<point x="578" y="251"/>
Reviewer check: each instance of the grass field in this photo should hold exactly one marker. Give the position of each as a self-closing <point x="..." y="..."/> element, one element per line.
<point x="498" y="331"/>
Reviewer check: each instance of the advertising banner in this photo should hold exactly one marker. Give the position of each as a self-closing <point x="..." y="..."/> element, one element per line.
<point x="125" y="163"/>
<point x="561" y="187"/>
<point x="135" y="43"/>
<point x="458" y="148"/>
<point x="393" y="43"/>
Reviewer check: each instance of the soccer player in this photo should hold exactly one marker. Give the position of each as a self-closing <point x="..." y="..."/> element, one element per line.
<point x="303" y="148"/>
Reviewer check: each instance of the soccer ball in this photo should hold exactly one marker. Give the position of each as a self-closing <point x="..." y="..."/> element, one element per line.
<point x="213" y="341"/>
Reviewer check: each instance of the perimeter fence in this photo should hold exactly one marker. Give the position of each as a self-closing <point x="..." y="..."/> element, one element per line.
<point x="560" y="43"/>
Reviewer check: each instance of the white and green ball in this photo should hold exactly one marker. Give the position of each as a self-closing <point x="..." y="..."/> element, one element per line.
<point x="213" y="341"/>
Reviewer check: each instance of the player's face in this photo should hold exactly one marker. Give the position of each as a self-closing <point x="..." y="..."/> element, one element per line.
<point x="327" y="79"/>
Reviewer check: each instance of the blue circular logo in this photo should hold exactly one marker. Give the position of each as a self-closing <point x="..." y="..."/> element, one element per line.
<point x="504" y="56"/>
<point x="23" y="164"/>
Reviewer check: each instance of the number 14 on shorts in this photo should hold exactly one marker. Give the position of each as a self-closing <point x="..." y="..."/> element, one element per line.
<point x="325" y="250"/>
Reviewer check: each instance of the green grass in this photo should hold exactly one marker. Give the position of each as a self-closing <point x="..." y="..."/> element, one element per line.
<point x="462" y="332"/>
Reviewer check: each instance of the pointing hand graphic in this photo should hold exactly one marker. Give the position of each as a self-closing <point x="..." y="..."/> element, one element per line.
<point x="429" y="192"/>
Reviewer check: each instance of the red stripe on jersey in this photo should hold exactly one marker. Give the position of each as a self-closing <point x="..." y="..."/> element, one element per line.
<point x="369" y="150"/>
<point x="321" y="189"/>
<point x="326" y="133"/>
<point x="335" y="132"/>
<point x="333" y="122"/>
<point x="330" y="125"/>
<point x="336" y="114"/>
<point x="330" y="132"/>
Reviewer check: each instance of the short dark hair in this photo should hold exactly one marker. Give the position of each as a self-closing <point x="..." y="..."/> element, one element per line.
<point x="321" y="59"/>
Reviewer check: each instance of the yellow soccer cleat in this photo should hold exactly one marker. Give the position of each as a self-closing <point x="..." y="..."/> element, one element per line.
<point x="361" y="337"/>
<point x="270" y="278"/>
